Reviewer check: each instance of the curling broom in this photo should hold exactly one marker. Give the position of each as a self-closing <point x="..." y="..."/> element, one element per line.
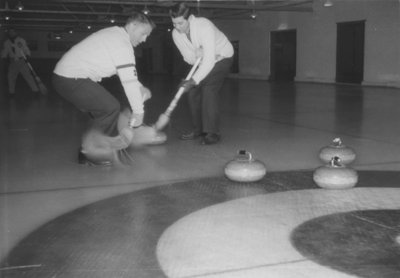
<point x="42" y="88"/>
<point x="163" y="120"/>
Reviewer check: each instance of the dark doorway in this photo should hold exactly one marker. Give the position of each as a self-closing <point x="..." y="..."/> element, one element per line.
<point x="235" y="63"/>
<point x="283" y="55"/>
<point x="148" y="60"/>
<point x="350" y="52"/>
<point x="144" y="61"/>
<point x="168" y="59"/>
<point x="168" y="54"/>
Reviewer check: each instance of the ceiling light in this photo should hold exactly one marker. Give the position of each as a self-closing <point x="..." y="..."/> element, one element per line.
<point x="198" y="7"/>
<point x="7" y="17"/>
<point x="146" y="11"/>
<point x="328" y="3"/>
<point x="112" y="19"/>
<point x="19" y="6"/>
<point x="253" y="15"/>
<point x="89" y="27"/>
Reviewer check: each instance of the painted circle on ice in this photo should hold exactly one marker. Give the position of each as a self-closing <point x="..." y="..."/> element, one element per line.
<point x="251" y="237"/>
<point x="209" y="226"/>
<point x="362" y="243"/>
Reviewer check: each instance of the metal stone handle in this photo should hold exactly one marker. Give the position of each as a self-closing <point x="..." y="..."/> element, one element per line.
<point x="247" y="154"/>
<point x="337" y="142"/>
<point x="335" y="162"/>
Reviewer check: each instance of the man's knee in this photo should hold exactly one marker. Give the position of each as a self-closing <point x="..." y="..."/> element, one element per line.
<point x="108" y="113"/>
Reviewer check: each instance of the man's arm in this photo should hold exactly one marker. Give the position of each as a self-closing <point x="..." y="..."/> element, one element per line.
<point x="206" y="37"/>
<point x="24" y="47"/>
<point x="128" y="76"/>
<point x="188" y="55"/>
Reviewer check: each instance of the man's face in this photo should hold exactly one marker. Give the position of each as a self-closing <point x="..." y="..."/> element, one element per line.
<point x="138" y="32"/>
<point x="12" y="33"/>
<point x="181" y="24"/>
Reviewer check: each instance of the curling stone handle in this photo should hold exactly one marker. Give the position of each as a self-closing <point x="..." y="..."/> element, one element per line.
<point x="335" y="162"/>
<point x="337" y="142"/>
<point x="248" y="155"/>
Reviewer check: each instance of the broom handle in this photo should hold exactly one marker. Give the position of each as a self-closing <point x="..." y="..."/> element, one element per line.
<point x="178" y="95"/>
<point x="29" y="64"/>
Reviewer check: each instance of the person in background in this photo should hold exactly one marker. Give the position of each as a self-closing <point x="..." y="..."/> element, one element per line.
<point x="198" y="37"/>
<point x="15" y="49"/>
<point x="104" y="53"/>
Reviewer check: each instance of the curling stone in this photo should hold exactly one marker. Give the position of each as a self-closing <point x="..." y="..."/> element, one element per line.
<point x="337" y="148"/>
<point x="335" y="175"/>
<point x="244" y="168"/>
<point x="144" y="135"/>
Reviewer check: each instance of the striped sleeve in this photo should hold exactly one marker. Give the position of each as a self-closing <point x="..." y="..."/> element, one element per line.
<point x="128" y="76"/>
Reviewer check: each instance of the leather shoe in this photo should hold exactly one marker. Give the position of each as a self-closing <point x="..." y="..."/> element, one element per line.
<point x="210" y="138"/>
<point x="191" y="135"/>
<point x="84" y="160"/>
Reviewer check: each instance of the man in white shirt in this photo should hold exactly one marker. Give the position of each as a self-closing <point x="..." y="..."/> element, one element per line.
<point x="102" y="54"/>
<point x="15" y="48"/>
<point x="198" y="37"/>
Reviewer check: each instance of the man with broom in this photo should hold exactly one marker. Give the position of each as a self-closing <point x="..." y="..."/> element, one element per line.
<point x="198" y="37"/>
<point x="76" y="78"/>
<point x="16" y="50"/>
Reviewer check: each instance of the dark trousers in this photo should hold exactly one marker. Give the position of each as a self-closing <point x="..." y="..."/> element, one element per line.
<point x="204" y="98"/>
<point x="91" y="97"/>
<point x="14" y="69"/>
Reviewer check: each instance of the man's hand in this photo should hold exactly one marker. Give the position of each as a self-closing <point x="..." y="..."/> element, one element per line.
<point x="187" y="85"/>
<point x="136" y="120"/>
<point x="199" y="53"/>
<point x="146" y="93"/>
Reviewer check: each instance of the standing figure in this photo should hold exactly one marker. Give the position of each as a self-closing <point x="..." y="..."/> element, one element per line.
<point x="16" y="49"/>
<point x="105" y="53"/>
<point x="198" y="37"/>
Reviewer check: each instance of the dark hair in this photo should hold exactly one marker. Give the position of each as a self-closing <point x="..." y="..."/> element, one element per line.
<point x="140" y="18"/>
<point x="180" y="9"/>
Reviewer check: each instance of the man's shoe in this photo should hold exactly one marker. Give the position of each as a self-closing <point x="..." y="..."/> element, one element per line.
<point x="191" y="135"/>
<point x="84" y="160"/>
<point x="210" y="139"/>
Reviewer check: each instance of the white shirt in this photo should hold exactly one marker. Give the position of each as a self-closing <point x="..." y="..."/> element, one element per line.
<point x="102" y="54"/>
<point x="206" y="40"/>
<point x="15" y="49"/>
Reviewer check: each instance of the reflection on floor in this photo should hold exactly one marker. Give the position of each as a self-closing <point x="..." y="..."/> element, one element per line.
<point x="284" y="125"/>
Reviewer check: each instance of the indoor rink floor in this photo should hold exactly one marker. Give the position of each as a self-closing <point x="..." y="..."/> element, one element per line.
<point x="172" y="213"/>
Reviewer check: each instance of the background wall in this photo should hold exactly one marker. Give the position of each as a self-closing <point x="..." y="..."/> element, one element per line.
<point x="316" y="40"/>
